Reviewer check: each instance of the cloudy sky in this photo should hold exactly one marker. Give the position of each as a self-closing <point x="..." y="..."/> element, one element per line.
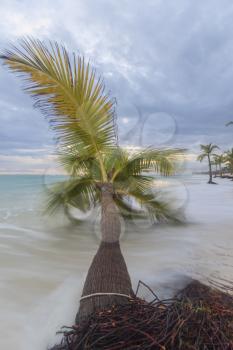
<point x="169" y="63"/>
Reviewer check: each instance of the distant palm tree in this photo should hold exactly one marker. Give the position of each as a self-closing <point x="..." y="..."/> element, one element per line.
<point x="219" y="159"/>
<point x="101" y="173"/>
<point x="207" y="152"/>
<point x="214" y="163"/>
<point x="229" y="160"/>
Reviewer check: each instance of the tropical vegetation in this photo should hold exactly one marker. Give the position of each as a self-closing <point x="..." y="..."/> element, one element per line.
<point x="229" y="160"/>
<point x="207" y="152"/>
<point x="82" y="115"/>
<point x="219" y="160"/>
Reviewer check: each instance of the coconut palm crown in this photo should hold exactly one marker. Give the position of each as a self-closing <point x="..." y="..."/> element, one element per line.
<point x="82" y="115"/>
<point x="207" y="152"/>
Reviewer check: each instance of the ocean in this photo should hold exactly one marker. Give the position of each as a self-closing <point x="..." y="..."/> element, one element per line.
<point x="44" y="259"/>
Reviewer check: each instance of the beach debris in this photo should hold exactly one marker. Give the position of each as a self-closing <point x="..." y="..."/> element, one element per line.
<point x="199" y="317"/>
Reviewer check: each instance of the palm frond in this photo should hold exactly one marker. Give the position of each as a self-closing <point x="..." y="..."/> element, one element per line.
<point x="160" y="211"/>
<point x="229" y="158"/>
<point x="126" y="209"/>
<point x="213" y="147"/>
<point x="77" y="162"/>
<point x="78" y="193"/>
<point x="152" y="160"/>
<point x="219" y="158"/>
<point x="70" y="95"/>
<point x="152" y="204"/>
<point x="133" y="183"/>
<point x="201" y="157"/>
<point x="67" y="91"/>
<point x="207" y="150"/>
<point x="204" y="147"/>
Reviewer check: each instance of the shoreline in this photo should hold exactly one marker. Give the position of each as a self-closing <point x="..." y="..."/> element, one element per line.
<point x="51" y="269"/>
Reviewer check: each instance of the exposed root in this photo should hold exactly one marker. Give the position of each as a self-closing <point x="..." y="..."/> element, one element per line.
<point x="198" y="318"/>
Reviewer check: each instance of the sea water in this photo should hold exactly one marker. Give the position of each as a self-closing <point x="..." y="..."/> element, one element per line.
<point x="44" y="260"/>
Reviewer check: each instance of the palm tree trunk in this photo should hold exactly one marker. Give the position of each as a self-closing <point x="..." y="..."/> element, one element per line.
<point x="210" y="171"/>
<point x="108" y="271"/>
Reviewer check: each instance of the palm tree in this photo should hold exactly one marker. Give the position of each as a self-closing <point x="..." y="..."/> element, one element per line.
<point x="219" y="160"/>
<point x="215" y="163"/>
<point x="101" y="173"/>
<point x="229" y="160"/>
<point x="207" y="151"/>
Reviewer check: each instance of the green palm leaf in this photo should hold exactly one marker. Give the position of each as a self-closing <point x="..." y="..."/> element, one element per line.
<point x="207" y="150"/>
<point x="154" y="206"/>
<point x="76" y="162"/>
<point x="68" y="93"/>
<point x="152" y="160"/>
<point x="201" y="157"/>
<point x="126" y="209"/>
<point x="78" y="192"/>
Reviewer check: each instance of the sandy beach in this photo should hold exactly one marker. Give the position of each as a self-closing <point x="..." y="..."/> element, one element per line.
<point x="44" y="260"/>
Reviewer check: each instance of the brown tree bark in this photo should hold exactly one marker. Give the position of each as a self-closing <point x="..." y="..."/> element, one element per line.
<point x="108" y="271"/>
<point x="210" y="171"/>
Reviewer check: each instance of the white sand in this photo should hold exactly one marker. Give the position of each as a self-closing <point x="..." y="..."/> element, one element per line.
<point x="43" y="263"/>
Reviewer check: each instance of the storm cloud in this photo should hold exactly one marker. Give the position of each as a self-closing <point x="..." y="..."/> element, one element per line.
<point x="168" y="63"/>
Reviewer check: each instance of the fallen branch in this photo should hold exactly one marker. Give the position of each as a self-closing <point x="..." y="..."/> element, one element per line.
<point x="199" y="317"/>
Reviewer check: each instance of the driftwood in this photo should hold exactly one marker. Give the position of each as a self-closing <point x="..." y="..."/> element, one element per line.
<point x="198" y="318"/>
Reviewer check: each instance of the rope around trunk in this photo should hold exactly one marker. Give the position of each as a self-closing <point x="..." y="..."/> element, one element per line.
<point x="198" y="318"/>
<point x="103" y="294"/>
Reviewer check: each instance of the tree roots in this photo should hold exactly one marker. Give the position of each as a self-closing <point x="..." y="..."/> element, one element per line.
<point x="198" y="318"/>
